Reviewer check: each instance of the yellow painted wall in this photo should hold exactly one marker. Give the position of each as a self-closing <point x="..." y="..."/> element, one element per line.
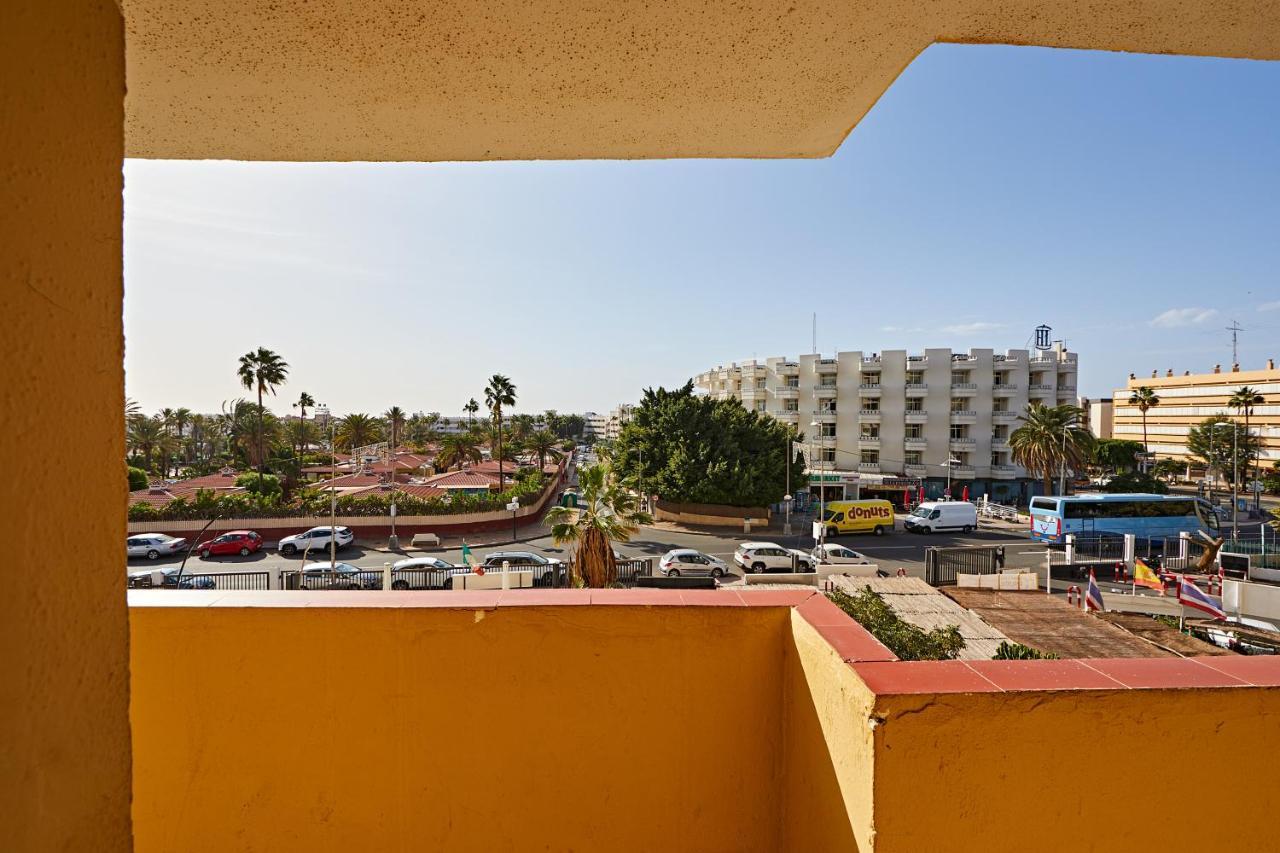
<point x="1119" y="770"/>
<point x="828" y="755"/>
<point x="64" y="685"/>
<point x="583" y="728"/>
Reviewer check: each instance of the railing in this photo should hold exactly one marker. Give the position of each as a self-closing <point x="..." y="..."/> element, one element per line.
<point x="964" y="386"/>
<point x="963" y="442"/>
<point x="1040" y="386"/>
<point x="1000" y="511"/>
<point x="1004" y="387"/>
<point x="963" y="413"/>
<point x="1002" y="415"/>
<point x="869" y="412"/>
<point x="917" y="386"/>
<point x="869" y="386"/>
<point x="941" y="565"/>
<point x="207" y="580"/>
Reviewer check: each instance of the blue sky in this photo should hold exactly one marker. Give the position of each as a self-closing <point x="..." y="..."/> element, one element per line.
<point x="1131" y="202"/>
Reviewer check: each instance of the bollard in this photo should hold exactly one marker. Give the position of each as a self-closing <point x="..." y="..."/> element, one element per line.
<point x="386" y="576"/>
<point x="1073" y="595"/>
<point x="1120" y="572"/>
<point x="506" y="574"/>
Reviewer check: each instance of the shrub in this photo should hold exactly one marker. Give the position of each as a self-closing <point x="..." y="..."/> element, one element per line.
<point x="1135" y="481"/>
<point x="249" y="482"/>
<point x="902" y="638"/>
<point x="137" y="478"/>
<point x="1017" y="651"/>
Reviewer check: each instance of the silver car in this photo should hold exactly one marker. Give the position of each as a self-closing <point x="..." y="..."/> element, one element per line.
<point x="154" y="545"/>
<point x="422" y="573"/>
<point x="688" y="562"/>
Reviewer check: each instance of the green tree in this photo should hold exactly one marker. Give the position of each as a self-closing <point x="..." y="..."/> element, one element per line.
<point x="395" y="418"/>
<point x="1050" y="438"/>
<point x="1214" y="441"/>
<point x="263" y="371"/>
<point x="1167" y="468"/>
<point x="143" y="435"/>
<point x="1115" y="455"/>
<point x="423" y="430"/>
<point x="497" y="394"/>
<point x="1243" y="400"/>
<point x="137" y="478"/>
<point x="544" y="444"/>
<point x="260" y="484"/>
<point x="471" y="408"/>
<point x="1136" y="482"/>
<point x="606" y="513"/>
<point x="305" y="401"/>
<point x="1145" y="399"/>
<point x="693" y="449"/>
<point x="357" y="430"/>
<point x="458" y="449"/>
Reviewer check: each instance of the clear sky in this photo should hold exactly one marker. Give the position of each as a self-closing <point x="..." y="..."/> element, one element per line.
<point x="1131" y="202"/>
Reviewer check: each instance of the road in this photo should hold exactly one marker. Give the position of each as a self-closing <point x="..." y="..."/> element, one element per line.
<point x="899" y="550"/>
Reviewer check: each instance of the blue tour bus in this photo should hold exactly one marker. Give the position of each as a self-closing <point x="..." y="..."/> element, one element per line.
<point x="1145" y="516"/>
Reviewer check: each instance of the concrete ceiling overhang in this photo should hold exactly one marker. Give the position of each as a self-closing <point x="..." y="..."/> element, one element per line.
<point x="562" y="79"/>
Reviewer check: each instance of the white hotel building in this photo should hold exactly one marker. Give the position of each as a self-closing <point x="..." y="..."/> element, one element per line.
<point x="891" y="421"/>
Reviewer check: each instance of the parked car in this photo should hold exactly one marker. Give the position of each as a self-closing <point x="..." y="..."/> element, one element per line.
<point x="423" y="573"/>
<point x="931" y="516"/>
<point x="168" y="579"/>
<point x="242" y="542"/>
<point x="154" y="545"/>
<point x="761" y="557"/>
<point x="830" y="554"/>
<point x="687" y="561"/>
<point x="547" y="571"/>
<point x="326" y="575"/>
<point x="316" y="538"/>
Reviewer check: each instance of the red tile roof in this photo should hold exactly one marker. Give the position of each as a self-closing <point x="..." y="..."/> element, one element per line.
<point x="162" y="493"/>
<point x="463" y="480"/>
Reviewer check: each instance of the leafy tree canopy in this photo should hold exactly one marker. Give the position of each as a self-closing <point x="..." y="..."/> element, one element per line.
<point x="266" y="484"/>
<point x="1213" y="445"/>
<point x="1136" y="481"/>
<point x="1115" y="454"/>
<point x="905" y="640"/>
<point x="699" y="450"/>
<point x="137" y="479"/>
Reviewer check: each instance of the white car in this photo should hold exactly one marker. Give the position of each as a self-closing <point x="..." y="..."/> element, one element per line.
<point x="422" y="573"/>
<point x="317" y="538"/>
<point x="326" y="575"/>
<point x="839" y="555"/>
<point x="687" y="561"/>
<point x="547" y="571"/>
<point x="761" y="557"/>
<point x="154" y="545"/>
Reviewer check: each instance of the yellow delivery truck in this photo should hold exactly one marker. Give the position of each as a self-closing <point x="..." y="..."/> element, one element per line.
<point x="873" y="516"/>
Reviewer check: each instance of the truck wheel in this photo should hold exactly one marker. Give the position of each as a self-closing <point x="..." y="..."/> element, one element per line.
<point x="832" y="533"/>
<point x="879" y="530"/>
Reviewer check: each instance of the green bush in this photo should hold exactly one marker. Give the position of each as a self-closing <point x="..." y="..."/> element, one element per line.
<point x="137" y="478"/>
<point x="902" y="638"/>
<point x="1135" y="481"/>
<point x="270" y="483"/>
<point x="1017" y="651"/>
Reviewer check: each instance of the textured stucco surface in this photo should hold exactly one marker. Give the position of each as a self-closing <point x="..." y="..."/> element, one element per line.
<point x="64" y="688"/>
<point x="482" y="80"/>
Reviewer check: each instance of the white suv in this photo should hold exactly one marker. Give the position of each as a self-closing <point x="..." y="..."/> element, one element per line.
<point x="317" y="538"/>
<point x="761" y="557"/>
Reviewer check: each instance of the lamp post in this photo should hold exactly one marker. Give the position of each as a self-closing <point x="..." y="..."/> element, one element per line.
<point x="951" y="460"/>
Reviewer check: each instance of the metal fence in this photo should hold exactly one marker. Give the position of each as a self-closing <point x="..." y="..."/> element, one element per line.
<point x="205" y="580"/>
<point x="941" y="565"/>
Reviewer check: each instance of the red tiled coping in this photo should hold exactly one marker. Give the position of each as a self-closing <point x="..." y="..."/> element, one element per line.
<point x="878" y="667"/>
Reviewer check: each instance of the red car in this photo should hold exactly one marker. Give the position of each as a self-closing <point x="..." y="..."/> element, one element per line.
<point x="242" y="542"/>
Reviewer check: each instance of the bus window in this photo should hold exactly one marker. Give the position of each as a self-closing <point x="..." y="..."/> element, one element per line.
<point x="1047" y="504"/>
<point x="1206" y="515"/>
<point x="1082" y="509"/>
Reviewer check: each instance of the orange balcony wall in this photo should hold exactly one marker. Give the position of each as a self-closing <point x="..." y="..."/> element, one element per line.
<point x="653" y="720"/>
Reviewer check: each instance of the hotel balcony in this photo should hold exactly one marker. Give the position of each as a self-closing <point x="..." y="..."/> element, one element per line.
<point x="869" y="415"/>
<point x="871" y="442"/>
<point x="963" y="416"/>
<point x="964" y="389"/>
<point x="1004" y="416"/>
<point x="824" y="417"/>
<point x="1041" y="389"/>
<point x="788" y="368"/>
<point x="826" y="366"/>
<point x="868" y="389"/>
<point x="786" y="417"/>
<point x="915" y="443"/>
<point x="919" y="417"/>
<point x="823" y="440"/>
<point x="786" y="392"/>
<point x="869" y="467"/>
<point x="963" y="443"/>
<point x="824" y="392"/>
<point x="916" y="389"/>
<point x="999" y="443"/>
<point x="962" y="472"/>
<point x="1004" y="389"/>
<point x="755" y="371"/>
<point x="1004" y="472"/>
<point x="748" y="394"/>
<point x="915" y="470"/>
<point x="822" y="465"/>
<point x="1067" y="389"/>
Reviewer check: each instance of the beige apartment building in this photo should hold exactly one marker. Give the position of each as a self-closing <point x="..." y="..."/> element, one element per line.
<point x="1188" y="399"/>
<point x="892" y="421"/>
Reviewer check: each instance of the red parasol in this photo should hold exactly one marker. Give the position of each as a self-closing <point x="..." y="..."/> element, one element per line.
<point x="906" y="498"/>
<point x="921" y="495"/>
<point x="964" y="496"/>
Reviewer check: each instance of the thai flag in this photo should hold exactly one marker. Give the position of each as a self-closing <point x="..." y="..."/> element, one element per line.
<point x="1190" y="595"/>
<point x="1093" y="595"/>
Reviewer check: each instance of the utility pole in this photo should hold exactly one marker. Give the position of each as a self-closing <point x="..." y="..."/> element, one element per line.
<point x="1235" y="329"/>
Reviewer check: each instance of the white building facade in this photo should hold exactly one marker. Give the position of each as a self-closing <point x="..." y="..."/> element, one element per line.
<point x="893" y="421"/>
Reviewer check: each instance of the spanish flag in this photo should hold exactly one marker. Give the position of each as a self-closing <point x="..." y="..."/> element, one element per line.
<point x="1144" y="576"/>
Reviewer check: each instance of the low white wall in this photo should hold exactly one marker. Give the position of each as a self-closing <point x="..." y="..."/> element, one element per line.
<point x="1014" y="581"/>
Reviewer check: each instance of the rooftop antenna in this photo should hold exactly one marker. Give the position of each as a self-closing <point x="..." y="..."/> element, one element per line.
<point x="1235" y="330"/>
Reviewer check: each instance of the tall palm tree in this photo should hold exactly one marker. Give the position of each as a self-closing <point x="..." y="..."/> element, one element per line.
<point x="181" y="420"/>
<point x="143" y="435"/>
<point x="262" y="370"/>
<point x="544" y="443"/>
<point x="395" y="418"/>
<point x="166" y="418"/>
<point x="1050" y="439"/>
<point x="498" y="393"/>
<point x="1244" y="399"/>
<point x="1145" y="399"/>
<point x="305" y="401"/>
<point x="131" y="409"/>
<point x="357" y="430"/>
<point x="458" y="449"/>
<point x="606" y="513"/>
<point x="471" y="408"/>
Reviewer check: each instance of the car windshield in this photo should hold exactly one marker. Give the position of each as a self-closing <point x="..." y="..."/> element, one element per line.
<point x="920" y="512"/>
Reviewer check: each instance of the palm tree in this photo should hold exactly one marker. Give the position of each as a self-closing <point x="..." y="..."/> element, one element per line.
<point x="143" y="435"/>
<point x="1244" y="399"/>
<point x="498" y="393"/>
<point x="471" y="408"/>
<point x="181" y="420"/>
<point x="305" y="401"/>
<point x="357" y="430"/>
<point x="1145" y="399"/>
<point x="606" y="513"/>
<point x="166" y="418"/>
<point x="458" y="449"/>
<point x="131" y="409"/>
<point x="395" y="418"/>
<point x="544" y="443"/>
<point x="262" y="370"/>
<point x="1049" y="440"/>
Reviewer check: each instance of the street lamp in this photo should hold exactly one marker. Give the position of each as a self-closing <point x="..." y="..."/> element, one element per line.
<point x="951" y="460"/>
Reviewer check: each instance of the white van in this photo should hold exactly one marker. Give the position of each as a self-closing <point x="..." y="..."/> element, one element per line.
<point x="942" y="515"/>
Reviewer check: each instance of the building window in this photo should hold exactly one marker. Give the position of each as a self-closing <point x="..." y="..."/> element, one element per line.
<point x="914" y="457"/>
<point x="870" y="431"/>
<point x="959" y="377"/>
<point x="790" y="405"/>
<point x="915" y="377"/>
<point x="958" y="404"/>
<point x="792" y="382"/>
<point x="915" y="431"/>
<point x="826" y="454"/>
<point x="1001" y="378"/>
<point x="997" y="459"/>
<point x="871" y="456"/>
<point x="959" y="430"/>
<point x="915" y="404"/>
<point x="871" y="404"/>
<point x="827" y="382"/>
<point x="1000" y="433"/>
<point x="759" y="384"/>
<point x="1000" y="404"/>
<point x="827" y="430"/>
<point x="871" y="379"/>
